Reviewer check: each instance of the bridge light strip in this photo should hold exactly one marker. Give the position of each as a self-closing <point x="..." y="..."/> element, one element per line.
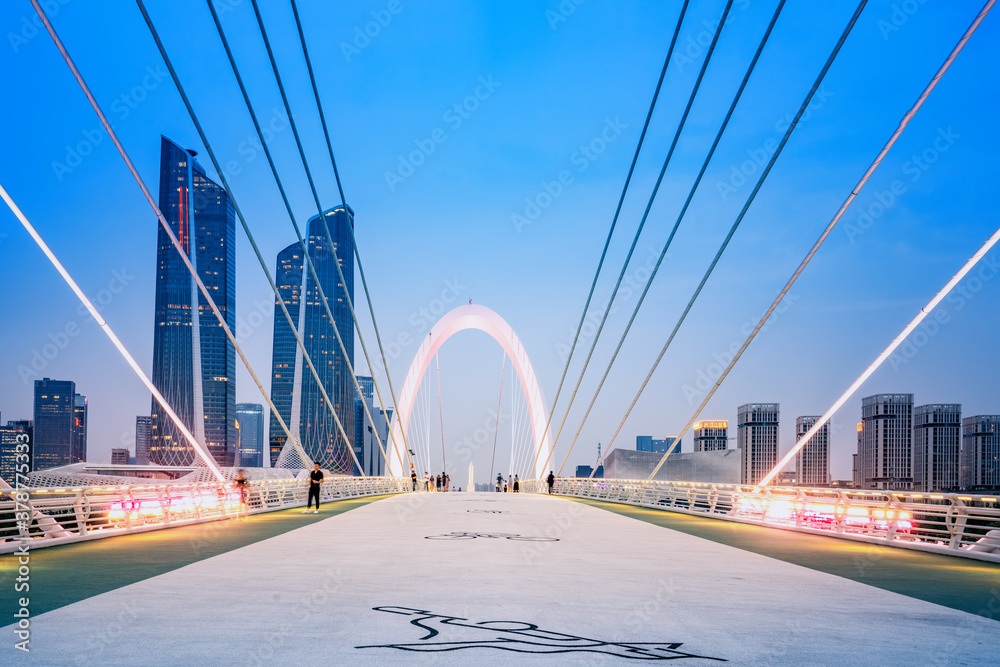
<point x="924" y="312"/>
<point x="208" y="458"/>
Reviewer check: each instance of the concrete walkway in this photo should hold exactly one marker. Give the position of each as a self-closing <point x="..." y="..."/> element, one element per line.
<point x="466" y="578"/>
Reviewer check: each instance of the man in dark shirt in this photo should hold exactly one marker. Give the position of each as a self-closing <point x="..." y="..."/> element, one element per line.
<point x="551" y="479"/>
<point x="315" y="478"/>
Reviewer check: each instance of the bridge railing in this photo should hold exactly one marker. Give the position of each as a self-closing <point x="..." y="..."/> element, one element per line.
<point x="957" y="524"/>
<point x="59" y="515"/>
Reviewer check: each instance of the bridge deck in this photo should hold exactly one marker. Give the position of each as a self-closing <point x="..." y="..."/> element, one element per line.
<point x="462" y="575"/>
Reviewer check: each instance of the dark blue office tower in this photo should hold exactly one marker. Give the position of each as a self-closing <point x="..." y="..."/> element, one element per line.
<point x="194" y="364"/>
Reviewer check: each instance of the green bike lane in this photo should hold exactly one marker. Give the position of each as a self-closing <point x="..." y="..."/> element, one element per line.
<point x="68" y="573"/>
<point x="958" y="583"/>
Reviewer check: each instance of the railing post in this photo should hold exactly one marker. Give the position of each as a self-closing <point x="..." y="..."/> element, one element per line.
<point x="81" y="516"/>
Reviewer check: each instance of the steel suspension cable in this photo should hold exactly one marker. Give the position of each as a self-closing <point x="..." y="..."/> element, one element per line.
<point x="163" y="223"/>
<point x="677" y="222"/>
<point x="354" y="243"/>
<point x="611" y="230"/>
<point x="836" y="218"/>
<point x="291" y="215"/>
<point x="246" y="228"/>
<point x="319" y="207"/>
<point x="641" y="226"/>
<point x="742" y="214"/>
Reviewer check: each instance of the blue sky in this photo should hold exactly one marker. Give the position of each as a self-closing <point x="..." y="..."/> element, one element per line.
<point x="449" y="226"/>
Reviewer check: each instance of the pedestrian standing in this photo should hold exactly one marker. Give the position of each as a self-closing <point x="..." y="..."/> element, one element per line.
<point x="499" y="482"/>
<point x="315" y="479"/>
<point x="437" y="482"/>
<point x="517" y="484"/>
<point x="427" y="482"/>
<point x="551" y="479"/>
<point x="413" y="476"/>
<point x="447" y="482"/>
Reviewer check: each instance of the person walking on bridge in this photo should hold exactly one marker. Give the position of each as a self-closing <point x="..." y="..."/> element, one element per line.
<point x="315" y="479"/>
<point x="413" y="477"/>
<point x="517" y="484"/>
<point x="551" y="480"/>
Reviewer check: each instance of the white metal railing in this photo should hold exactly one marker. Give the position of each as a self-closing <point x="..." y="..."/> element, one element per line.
<point x="949" y="523"/>
<point x="72" y="514"/>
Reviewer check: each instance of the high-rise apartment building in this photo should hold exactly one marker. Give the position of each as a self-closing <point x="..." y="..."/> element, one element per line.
<point x="757" y="438"/>
<point x="980" y="458"/>
<point x="710" y="436"/>
<point x="812" y="463"/>
<point x="937" y="439"/>
<point x="194" y="364"/>
<point x="120" y="456"/>
<point x="885" y="450"/>
<point x="294" y="390"/>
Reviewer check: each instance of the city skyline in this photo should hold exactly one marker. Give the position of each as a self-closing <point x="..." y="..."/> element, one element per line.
<point x="445" y="234"/>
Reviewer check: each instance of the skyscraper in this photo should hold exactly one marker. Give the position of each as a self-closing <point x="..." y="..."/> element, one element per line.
<point x="251" y="420"/>
<point x="937" y="439"/>
<point x="981" y="453"/>
<point x="710" y="436"/>
<point x="55" y="433"/>
<point x="79" y="454"/>
<point x="13" y="437"/>
<point x="293" y="388"/>
<point x="757" y="438"/>
<point x="361" y="433"/>
<point x="120" y="456"/>
<point x="143" y="436"/>
<point x="194" y="364"/>
<point x="885" y="448"/>
<point x="812" y="463"/>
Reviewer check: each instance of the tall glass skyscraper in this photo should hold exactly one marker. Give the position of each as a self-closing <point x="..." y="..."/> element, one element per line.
<point x="194" y="364"/>
<point x="60" y="435"/>
<point x="251" y="419"/>
<point x="293" y="388"/>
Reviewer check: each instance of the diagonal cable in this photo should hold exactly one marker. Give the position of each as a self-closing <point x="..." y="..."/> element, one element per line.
<point x="677" y="222"/>
<point x="742" y="214"/>
<point x="641" y="226"/>
<point x="611" y="230"/>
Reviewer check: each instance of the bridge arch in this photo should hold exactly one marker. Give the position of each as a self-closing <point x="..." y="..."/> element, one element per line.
<point x="470" y="316"/>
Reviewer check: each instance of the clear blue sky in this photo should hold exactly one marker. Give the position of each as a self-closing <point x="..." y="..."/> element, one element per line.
<point x="554" y="86"/>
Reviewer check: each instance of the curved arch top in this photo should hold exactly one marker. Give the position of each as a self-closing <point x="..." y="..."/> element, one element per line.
<point x="470" y="316"/>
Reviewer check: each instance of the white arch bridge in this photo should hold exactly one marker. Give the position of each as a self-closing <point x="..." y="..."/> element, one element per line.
<point x="462" y="318"/>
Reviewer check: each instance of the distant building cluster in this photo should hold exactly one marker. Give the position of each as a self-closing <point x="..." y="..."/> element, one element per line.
<point x="899" y="447"/>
